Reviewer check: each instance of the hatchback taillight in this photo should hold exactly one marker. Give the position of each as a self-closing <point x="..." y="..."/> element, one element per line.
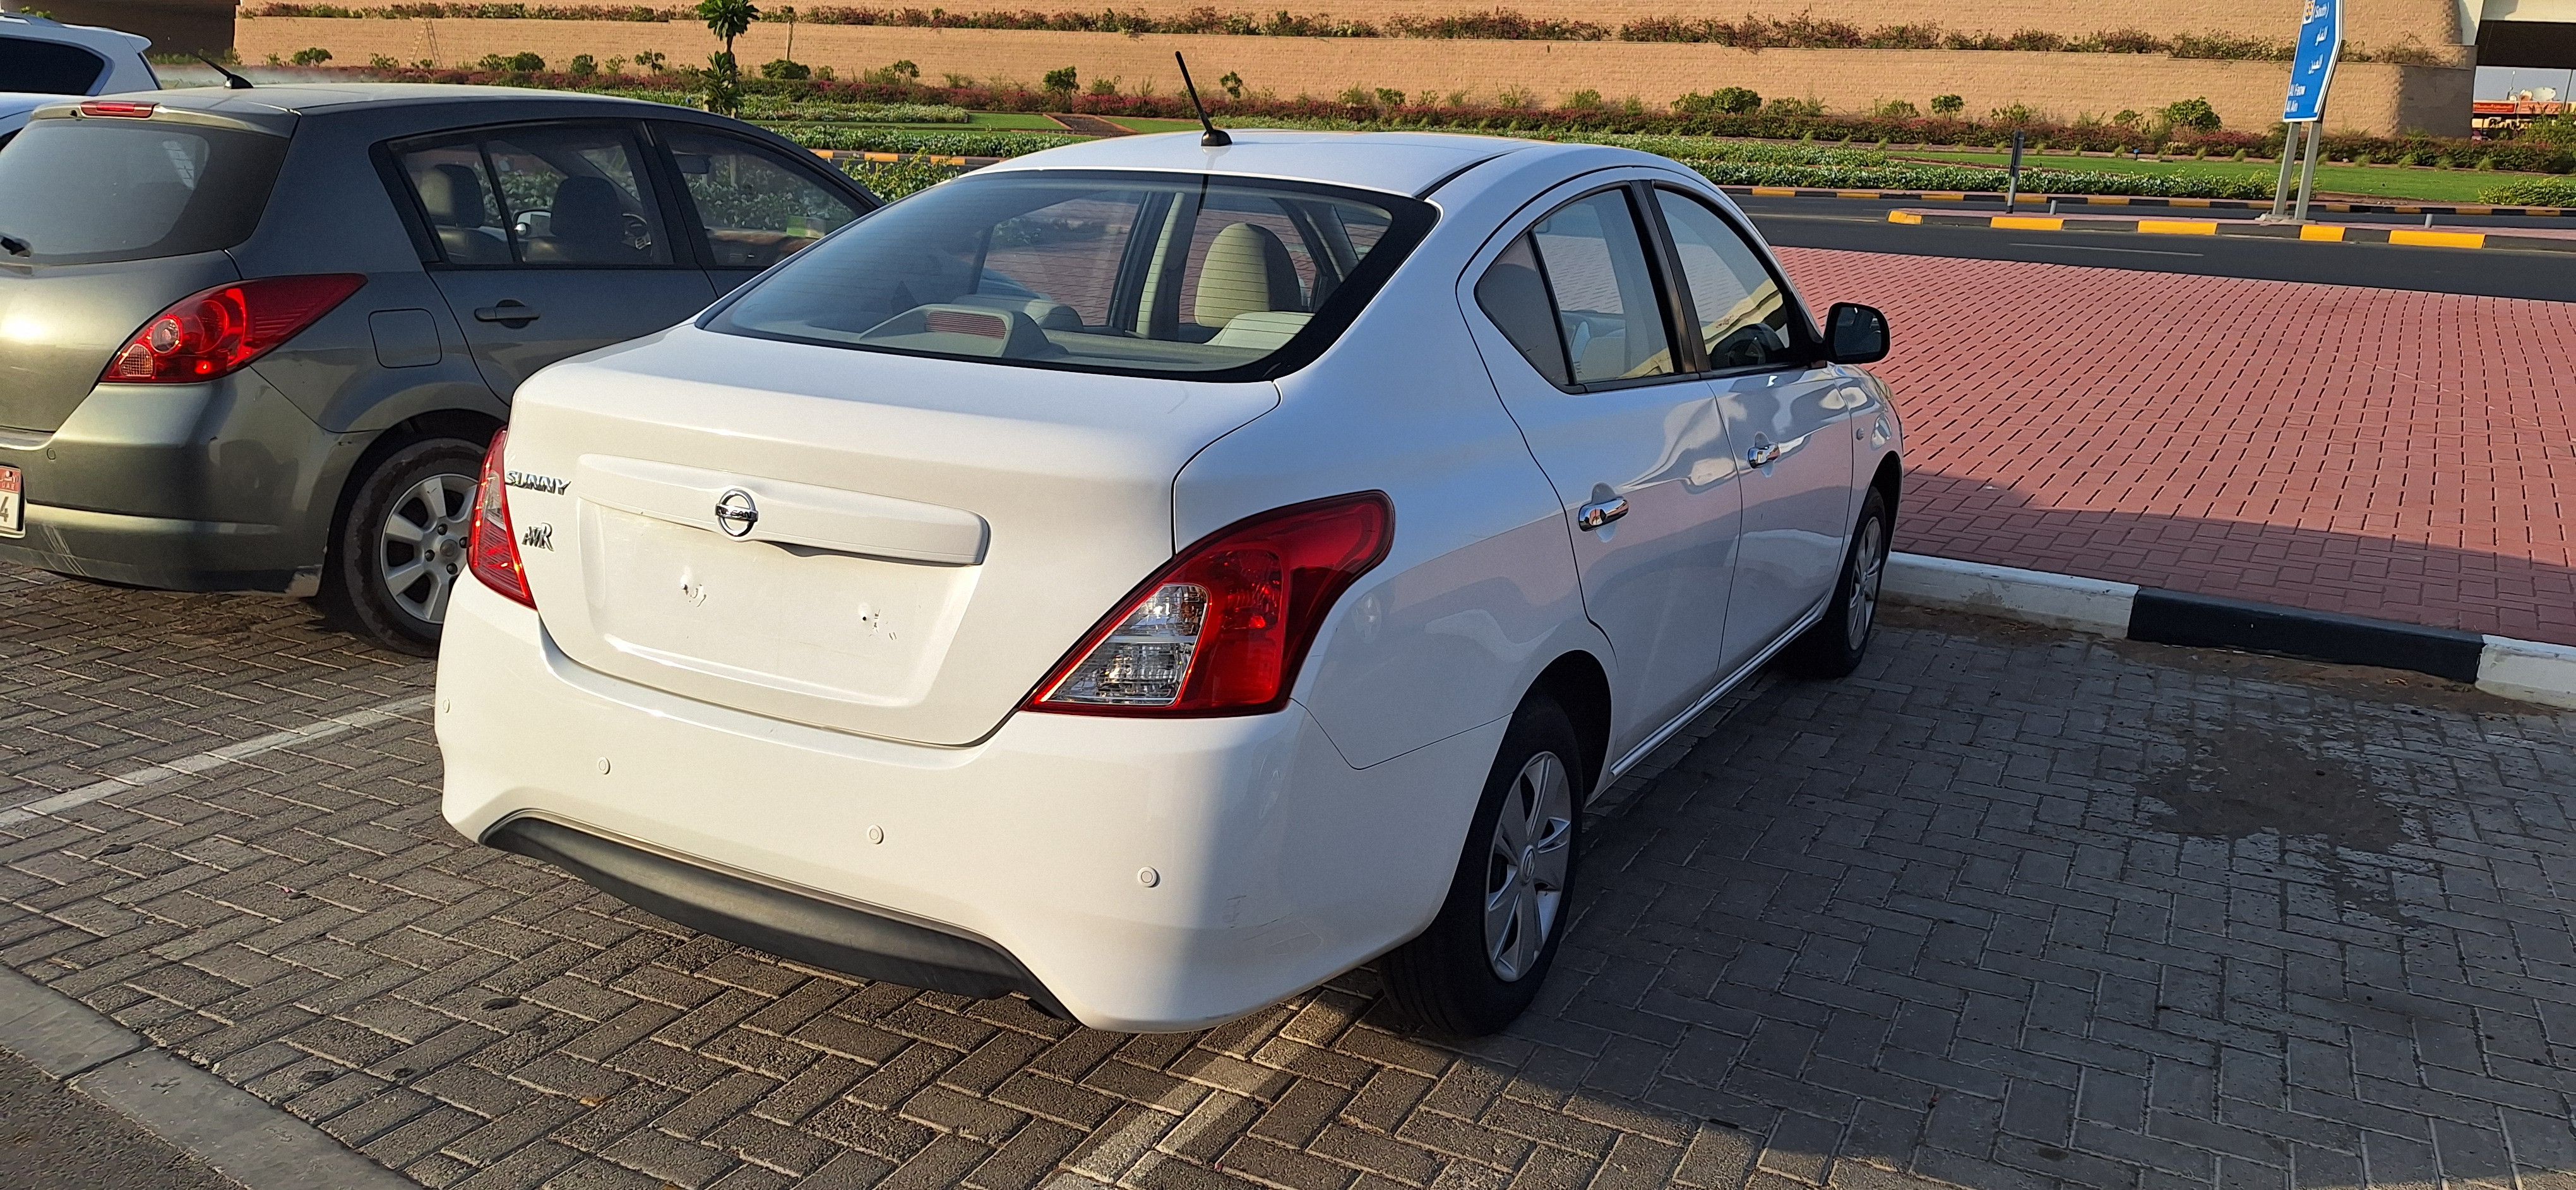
<point x="491" y="544"/>
<point x="213" y="334"/>
<point x="123" y="109"/>
<point x="1223" y="628"/>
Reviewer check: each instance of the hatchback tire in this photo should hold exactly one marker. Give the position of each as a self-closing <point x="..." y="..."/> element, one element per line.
<point x="1833" y="647"/>
<point x="1481" y="962"/>
<point x="400" y="548"/>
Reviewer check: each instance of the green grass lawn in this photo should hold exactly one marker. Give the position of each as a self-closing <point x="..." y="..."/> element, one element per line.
<point x="2416" y="185"/>
<point x="1018" y="120"/>
<point x="1152" y="124"/>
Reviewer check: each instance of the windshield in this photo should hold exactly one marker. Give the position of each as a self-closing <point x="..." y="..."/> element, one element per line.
<point x="1147" y="274"/>
<point x="87" y="191"/>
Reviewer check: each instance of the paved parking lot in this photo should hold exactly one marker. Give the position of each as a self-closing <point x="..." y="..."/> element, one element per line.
<point x="2009" y="909"/>
<point x="2378" y="452"/>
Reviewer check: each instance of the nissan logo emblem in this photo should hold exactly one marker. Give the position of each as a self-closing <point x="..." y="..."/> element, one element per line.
<point x="735" y="513"/>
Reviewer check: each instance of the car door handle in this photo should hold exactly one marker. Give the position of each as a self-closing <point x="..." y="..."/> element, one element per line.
<point x="1602" y="512"/>
<point x="512" y="314"/>
<point x="1762" y="453"/>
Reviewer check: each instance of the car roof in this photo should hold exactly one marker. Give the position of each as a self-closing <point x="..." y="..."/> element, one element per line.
<point x="313" y="98"/>
<point x="1409" y="163"/>
<point x="105" y="41"/>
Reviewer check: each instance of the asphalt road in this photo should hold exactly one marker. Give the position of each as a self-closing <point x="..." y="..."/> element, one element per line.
<point x="1862" y="225"/>
<point x="52" y="1136"/>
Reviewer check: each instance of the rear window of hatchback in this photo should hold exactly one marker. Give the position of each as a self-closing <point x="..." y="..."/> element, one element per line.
<point x="1146" y="274"/>
<point x="92" y="191"/>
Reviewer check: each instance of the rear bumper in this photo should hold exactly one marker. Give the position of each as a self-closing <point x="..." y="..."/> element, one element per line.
<point x="1142" y="875"/>
<point x="206" y="487"/>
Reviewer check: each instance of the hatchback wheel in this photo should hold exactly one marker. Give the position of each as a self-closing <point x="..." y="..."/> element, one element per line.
<point x="1481" y="961"/>
<point x="1833" y="648"/>
<point x="401" y="547"/>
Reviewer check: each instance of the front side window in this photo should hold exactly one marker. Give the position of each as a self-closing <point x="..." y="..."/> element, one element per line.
<point x="756" y="209"/>
<point x="92" y="191"/>
<point x="1147" y="274"/>
<point x="1743" y="311"/>
<point x="1587" y="262"/>
<point x="566" y="196"/>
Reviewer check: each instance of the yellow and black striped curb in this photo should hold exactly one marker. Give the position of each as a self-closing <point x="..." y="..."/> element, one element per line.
<point x="2317" y="232"/>
<point x="2140" y="200"/>
<point x="874" y="157"/>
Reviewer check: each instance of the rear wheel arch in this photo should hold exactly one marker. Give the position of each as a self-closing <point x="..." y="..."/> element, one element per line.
<point x="1580" y="687"/>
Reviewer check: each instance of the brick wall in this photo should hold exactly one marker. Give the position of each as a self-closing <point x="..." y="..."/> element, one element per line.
<point x="2368" y="97"/>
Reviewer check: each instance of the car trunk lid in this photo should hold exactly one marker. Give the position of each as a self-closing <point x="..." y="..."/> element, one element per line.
<point x="60" y="325"/>
<point x="905" y="544"/>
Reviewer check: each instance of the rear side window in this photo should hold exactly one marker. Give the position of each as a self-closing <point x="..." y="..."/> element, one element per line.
<point x="549" y="196"/>
<point x="93" y="191"/>
<point x="1574" y="294"/>
<point x="48" y="67"/>
<point x="1144" y="274"/>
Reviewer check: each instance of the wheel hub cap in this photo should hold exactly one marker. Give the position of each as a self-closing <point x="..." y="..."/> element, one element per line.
<point x="1525" y="871"/>
<point x="420" y="548"/>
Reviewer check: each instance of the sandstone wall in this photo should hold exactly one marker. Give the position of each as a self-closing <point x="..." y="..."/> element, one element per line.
<point x="2433" y="23"/>
<point x="2369" y="97"/>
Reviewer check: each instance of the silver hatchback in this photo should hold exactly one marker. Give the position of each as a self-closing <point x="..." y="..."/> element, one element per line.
<point x="256" y="340"/>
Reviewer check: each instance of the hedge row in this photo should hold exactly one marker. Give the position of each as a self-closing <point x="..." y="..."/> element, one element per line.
<point x="2548" y="192"/>
<point x="1752" y="32"/>
<point x="1587" y="121"/>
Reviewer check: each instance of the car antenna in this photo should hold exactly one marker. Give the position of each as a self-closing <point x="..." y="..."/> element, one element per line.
<point x="233" y="82"/>
<point x="1214" y="137"/>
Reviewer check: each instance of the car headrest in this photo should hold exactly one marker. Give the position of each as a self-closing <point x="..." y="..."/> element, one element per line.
<point x="454" y="195"/>
<point x="1246" y="271"/>
<point x="586" y="210"/>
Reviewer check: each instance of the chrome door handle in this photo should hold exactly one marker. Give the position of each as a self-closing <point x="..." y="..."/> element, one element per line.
<point x="512" y="314"/>
<point x="1762" y="453"/>
<point x="1602" y="512"/>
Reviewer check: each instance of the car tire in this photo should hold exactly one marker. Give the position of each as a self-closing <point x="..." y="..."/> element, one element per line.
<point x="1834" y="646"/>
<point x="384" y="586"/>
<point x="1466" y="975"/>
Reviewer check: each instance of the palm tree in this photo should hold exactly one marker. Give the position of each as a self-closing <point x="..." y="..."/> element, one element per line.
<point x="728" y="19"/>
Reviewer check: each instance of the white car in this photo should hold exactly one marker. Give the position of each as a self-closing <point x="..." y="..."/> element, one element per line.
<point x="43" y="60"/>
<point x="1265" y="595"/>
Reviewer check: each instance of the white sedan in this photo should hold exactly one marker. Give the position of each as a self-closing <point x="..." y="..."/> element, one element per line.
<point x="1155" y="578"/>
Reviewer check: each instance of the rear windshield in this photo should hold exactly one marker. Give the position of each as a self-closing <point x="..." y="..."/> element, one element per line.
<point x="87" y="191"/>
<point x="1135" y="273"/>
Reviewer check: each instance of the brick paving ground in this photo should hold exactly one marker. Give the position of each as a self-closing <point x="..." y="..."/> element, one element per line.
<point x="2009" y="909"/>
<point x="2408" y="456"/>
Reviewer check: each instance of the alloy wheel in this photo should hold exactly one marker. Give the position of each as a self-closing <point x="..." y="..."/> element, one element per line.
<point x="1526" y="866"/>
<point x="421" y="546"/>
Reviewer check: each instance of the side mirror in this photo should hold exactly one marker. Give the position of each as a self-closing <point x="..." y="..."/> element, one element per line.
<point x="1855" y="334"/>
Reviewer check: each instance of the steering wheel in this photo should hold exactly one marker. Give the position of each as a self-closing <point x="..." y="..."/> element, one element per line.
<point x="638" y="229"/>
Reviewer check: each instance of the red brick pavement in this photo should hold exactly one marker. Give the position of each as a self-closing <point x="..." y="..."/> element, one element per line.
<point x="2408" y="456"/>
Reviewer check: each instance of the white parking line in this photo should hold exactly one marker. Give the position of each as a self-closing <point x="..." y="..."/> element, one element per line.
<point x="320" y="729"/>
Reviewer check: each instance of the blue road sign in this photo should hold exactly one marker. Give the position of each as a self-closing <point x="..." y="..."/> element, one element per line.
<point x="2320" y="41"/>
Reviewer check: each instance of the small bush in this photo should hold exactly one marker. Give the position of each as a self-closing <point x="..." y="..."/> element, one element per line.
<point x="582" y="66"/>
<point x="313" y="55"/>
<point x="1725" y="101"/>
<point x="650" y="61"/>
<point x="781" y="68"/>
<point x="2547" y="192"/>
<point x="1948" y="105"/>
<point x="1585" y="100"/>
<point x="1896" y="109"/>
<point x="2192" y="113"/>
<point x="1061" y="81"/>
<point x="1104" y="86"/>
<point x="382" y="62"/>
<point x="1794" y="107"/>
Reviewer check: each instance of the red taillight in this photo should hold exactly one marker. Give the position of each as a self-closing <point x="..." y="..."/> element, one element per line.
<point x="124" y="109"/>
<point x="491" y="545"/>
<point x="218" y="332"/>
<point x="1223" y="628"/>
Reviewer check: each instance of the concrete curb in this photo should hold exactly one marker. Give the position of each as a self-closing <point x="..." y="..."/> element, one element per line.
<point x="2309" y="232"/>
<point x="2527" y="671"/>
<point x="2142" y="200"/>
<point x="244" y="1138"/>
